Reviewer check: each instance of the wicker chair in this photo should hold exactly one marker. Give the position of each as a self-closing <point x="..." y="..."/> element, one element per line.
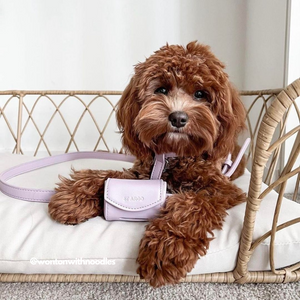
<point x="268" y="134"/>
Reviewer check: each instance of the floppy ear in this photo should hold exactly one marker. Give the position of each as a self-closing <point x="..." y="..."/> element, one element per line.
<point x="127" y="110"/>
<point x="231" y="114"/>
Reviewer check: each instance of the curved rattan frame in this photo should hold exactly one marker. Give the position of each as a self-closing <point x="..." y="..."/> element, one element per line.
<point x="270" y="117"/>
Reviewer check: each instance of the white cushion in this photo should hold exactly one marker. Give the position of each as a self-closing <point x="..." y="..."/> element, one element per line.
<point x="31" y="242"/>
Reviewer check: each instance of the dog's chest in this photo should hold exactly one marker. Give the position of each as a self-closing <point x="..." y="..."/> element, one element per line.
<point x="187" y="174"/>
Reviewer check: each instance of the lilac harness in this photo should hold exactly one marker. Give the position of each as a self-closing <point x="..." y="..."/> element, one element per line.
<point x="40" y="195"/>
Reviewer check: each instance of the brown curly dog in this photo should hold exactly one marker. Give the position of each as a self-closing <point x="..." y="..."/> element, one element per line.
<point x="179" y="100"/>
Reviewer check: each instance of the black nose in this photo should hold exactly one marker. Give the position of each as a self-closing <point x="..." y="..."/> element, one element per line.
<point x="178" y="119"/>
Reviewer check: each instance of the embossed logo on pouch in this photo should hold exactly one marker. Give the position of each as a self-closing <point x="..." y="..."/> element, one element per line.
<point x="133" y="198"/>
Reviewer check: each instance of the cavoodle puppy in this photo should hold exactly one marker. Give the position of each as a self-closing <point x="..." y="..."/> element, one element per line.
<point x="179" y="100"/>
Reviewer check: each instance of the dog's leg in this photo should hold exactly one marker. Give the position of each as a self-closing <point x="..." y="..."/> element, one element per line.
<point x="81" y="197"/>
<point x="173" y="242"/>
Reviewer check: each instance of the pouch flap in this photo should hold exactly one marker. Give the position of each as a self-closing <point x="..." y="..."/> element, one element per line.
<point x="134" y="194"/>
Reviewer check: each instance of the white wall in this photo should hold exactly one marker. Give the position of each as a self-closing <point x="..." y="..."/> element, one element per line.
<point x="78" y="44"/>
<point x="294" y="43"/>
<point x="264" y="62"/>
<point x="293" y="73"/>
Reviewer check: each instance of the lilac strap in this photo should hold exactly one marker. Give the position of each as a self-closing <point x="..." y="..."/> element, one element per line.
<point x="39" y="195"/>
<point x="233" y="166"/>
<point x="159" y="164"/>
<point x="227" y="164"/>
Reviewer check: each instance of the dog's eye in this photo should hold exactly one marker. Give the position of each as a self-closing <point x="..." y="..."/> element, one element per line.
<point x="200" y="95"/>
<point x="161" y="90"/>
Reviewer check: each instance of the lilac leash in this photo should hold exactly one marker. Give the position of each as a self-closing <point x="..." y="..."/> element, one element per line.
<point x="40" y="195"/>
<point x="232" y="166"/>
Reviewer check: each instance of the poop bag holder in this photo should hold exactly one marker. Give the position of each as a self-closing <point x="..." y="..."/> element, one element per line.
<point x="133" y="200"/>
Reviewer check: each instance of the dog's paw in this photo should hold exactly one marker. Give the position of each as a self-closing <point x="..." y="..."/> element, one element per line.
<point x="75" y="200"/>
<point x="69" y="208"/>
<point x="165" y="258"/>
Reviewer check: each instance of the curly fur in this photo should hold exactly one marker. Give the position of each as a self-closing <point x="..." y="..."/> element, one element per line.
<point x="172" y="242"/>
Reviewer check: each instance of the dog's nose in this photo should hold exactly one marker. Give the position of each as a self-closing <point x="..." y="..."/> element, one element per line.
<point x="178" y="118"/>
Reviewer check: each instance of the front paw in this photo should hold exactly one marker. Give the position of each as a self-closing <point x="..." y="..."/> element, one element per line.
<point x="64" y="209"/>
<point x="165" y="258"/>
<point x="76" y="200"/>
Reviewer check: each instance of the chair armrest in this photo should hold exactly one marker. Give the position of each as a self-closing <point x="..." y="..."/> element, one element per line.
<point x="264" y="149"/>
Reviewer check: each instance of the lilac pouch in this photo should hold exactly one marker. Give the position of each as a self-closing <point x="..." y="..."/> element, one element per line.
<point x="133" y="200"/>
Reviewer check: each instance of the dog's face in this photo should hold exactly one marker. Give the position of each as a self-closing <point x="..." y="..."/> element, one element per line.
<point x="180" y="100"/>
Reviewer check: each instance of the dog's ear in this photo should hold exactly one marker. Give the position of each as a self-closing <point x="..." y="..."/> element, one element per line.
<point x="127" y="110"/>
<point x="231" y="114"/>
